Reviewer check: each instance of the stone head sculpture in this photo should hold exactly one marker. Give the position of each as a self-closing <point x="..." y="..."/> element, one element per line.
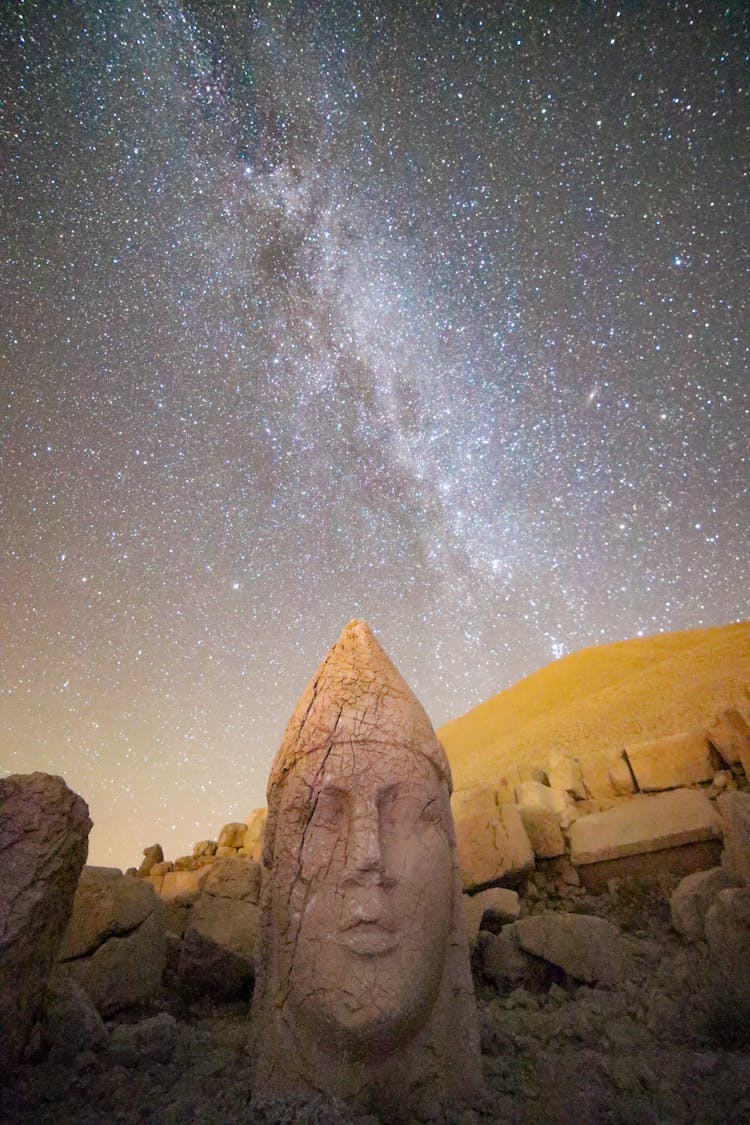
<point x="363" y="989"/>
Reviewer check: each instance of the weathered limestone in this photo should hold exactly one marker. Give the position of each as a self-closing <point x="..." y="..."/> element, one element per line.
<point x="115" y="943"/>
<point x="204" y="848"/>
<point x="606" y="775"/>
<point x="151" y="856"/>
<point x="646" y="824"/>
<point x="232" y="877"/>
<point x="735" y="814"/>
<point x="692" y="899"/>
<point x="252" y="841"/>
<point x="493" y="907"/>
<point x="565" y="773"/>
<point x="730" y="735"/>
<point x="363" y="990"/>
<point x="493" y="845"/>
<point x="44" y="830"/>
<point x="544" y="812"/>
<point x="668" y="763"/>
<point x="176" y="883"/>
<point x="587" y="948"/>
<point x="232" y="836"/>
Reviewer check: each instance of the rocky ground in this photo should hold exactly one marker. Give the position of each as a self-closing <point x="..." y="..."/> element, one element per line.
<point x="670" y="1044"/>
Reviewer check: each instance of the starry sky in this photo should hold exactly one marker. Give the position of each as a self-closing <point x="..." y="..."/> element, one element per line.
<point x="433" y="314"/>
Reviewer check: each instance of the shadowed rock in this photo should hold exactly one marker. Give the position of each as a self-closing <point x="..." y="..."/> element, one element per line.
<point x="44" y="830"/>
<point x="363" y="987"/>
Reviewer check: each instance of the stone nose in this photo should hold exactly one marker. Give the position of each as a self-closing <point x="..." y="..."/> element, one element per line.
<point x="364" y="858"/>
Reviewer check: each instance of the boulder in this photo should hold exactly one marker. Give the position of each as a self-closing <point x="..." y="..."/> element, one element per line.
<point x="204" y="848"/>
<point x="672" y="762"/>
<point x="44" y="830"/>
<point x="502" y="961"/>
<point x="151" y="856"/>
<point x="587" y="948"/>
<point x="141" y="1044"/>
<point x="217" y="956"/>
<point x="692" y="899"/>
<point x="177" y="883"/>
<point x="233" y="877"/>
<point x="71" y="1022"/>
<point x="734" y="808"/>
<point x="189" y="863"/>
<point x="727" y="926"/>
<point x="543" y="810"/>
<point x="729" y="734"/>
<point x="161" y="868"/>
<point x="489" y="909"/>
<point x="115" y="943"/>
<point x="681" y="826"/>
<point x="224" y="850"/>
<point x="252" y="843"/>
<point x="565" y="773"/>
<point x="232" y="835"/>
<point x="493" y="846"/>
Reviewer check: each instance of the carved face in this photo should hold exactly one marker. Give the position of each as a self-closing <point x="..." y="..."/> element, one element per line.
<point x="363" y="895"/>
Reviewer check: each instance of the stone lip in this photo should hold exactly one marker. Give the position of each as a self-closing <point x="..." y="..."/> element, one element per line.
<point x="644" y="824"/>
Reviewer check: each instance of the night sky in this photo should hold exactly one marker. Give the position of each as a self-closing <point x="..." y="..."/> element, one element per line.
<point x="430" y="314"/>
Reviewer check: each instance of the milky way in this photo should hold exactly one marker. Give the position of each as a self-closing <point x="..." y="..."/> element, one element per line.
<point x="430" y="314"/>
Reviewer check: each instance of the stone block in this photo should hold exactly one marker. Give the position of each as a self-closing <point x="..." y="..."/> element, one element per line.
<point x="232" y="835"/>
<point x="672" y="762"/>
<point x="542" y="809"/>
<point x="233" y="877"/>
<point x="181" y="882"/>
<point x="587" y="948"/>
<point x="644" y="824"/>
<point x="204" y="848"/>
<point x="734" y="809"/>
<point x="493" y="846"/>
<point x="606" y="775"/>
<point x="151" y="855"/>
<point x="223" y="850"/>
<point x="692" y="899"/>
<point x="252" y="843"/>
<point x="106" y="903"/>
<point x="490" y="909"/>
<point x="729" y="734"/>
<point x="217" y="957"/>
<point x="161" y="868"/>
<point x="565" y="773"/>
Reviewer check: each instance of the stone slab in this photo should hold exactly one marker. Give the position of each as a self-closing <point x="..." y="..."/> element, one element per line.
<point x="644" y="824"/>
<point x="682" y="860"/>
<point x="493" y="846"/>
<point x="729" y="734"/>
<point x="672" y="762"/>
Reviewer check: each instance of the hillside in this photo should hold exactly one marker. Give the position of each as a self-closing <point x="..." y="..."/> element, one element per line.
<point x="596" y="701"/>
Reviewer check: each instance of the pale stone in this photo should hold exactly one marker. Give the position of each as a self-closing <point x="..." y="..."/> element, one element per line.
<point x="735" y="815"/>
<point x="233" y="877"/>
<point x="151" y="856"/>
<point x="161" y="868"/>
<point x="565" y="773"/>
<point x="106" y="903"/>
<point x="182" y="882"/>
<point x="727" y="926"/>
<point x="364" y="991"/>
<point x="252" y="843"/>
<point x="692" y="899"/>
<point x="217" y="955"/>
<point x="672" y="762"/>
<point x="495" y="906"/>
<point x="44" y="829"/>
<point x="621" y="777"/>
<point x="541" y="811"/>
<point x="644" y="824"/>
<point x="587" y="948"/>
<point x="493" y="845"/>
<point x="224" y="850"/>
<point x="730" y="735"/>
<point x="204" y="848"/>
<point x="232" y="835"/>
<point x="188" y="863"/>
<point x="606" y="775"/>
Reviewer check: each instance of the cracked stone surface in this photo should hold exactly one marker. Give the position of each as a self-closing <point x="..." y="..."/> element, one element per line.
<point x="363" y="991"/>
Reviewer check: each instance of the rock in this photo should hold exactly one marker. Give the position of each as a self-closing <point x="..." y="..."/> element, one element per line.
<point x="252" y="842"/>
<point x="106" y="903"/>
<point x="692" y="899"/>
<point x="218" y="948"/>
<point x="503" y="962"/>
<point x="204" y="848"/>
<point x="587" y="948"/>
<point x="161" y="868"/>
<point x="493" y="845"/>
<point x="734" y="809"/>
<point x="668" y="763"/>
<point x="232" y="835"/>
<point x="44" y="830"/>
<point x="730" y="735"/>
<point x="233" y="877"/>
<point x="115" y="942"/>
<point x="182" y="882"/>
<point x="727" y="926"/>
<point x="606" y="774"/>
<point x="141" y="1044"/>
<point x="152" y="855"/>
<point x="223" y="850"/>
<point x="644" y="824"/>
<point x="71" y="1022"/>
<point x="491" y="908"/>
<point x="541" y="811"/>
<point x="188" y="863"/>
<point x="565" y="773"/>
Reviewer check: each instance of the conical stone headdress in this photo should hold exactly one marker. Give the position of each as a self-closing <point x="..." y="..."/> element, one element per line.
<point x="357" y="697"/>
